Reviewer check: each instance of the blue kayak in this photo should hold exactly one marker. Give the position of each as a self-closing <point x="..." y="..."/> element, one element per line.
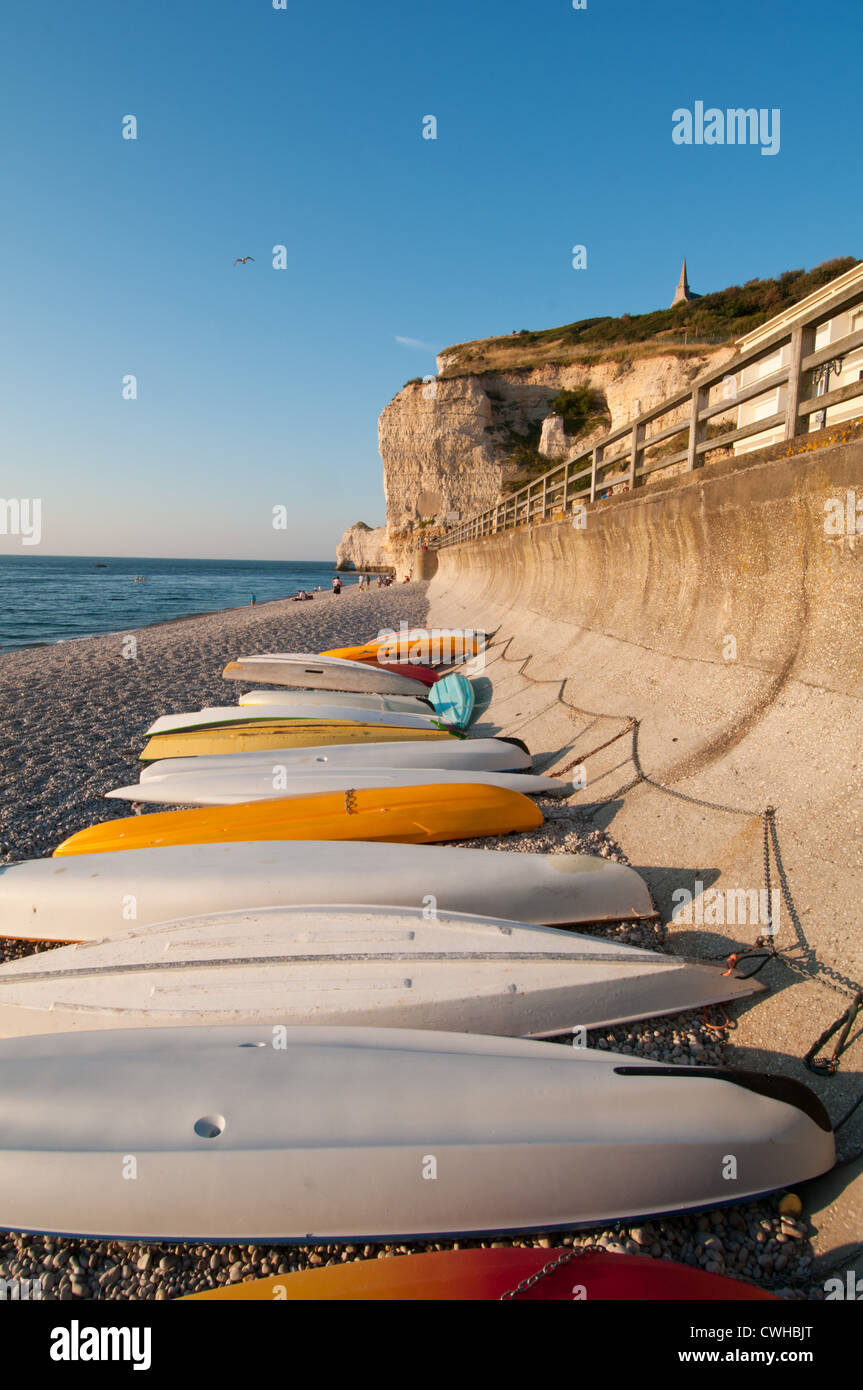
<point x="453" y="698"/>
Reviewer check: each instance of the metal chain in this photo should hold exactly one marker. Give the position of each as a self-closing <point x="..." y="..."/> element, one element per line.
<point x="577" y="762"/>
<point x="833" y="979"/>
<point x="671" y="791"/>
<point x="642" y="777"/>
<point x="829" y="1065"/>
<point x="815" y="970"/>
<point x="768" y="817"/>
<point x="566" y="1257"/>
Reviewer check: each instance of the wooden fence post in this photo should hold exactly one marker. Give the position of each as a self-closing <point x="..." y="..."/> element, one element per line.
<point x="595" y="461"/>
<point x="634" y="452"/>
<point x="697" y="428"/>
<point x="802" y="343"/>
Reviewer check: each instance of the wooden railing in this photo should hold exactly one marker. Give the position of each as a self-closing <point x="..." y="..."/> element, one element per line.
<point x="623" y="457"/>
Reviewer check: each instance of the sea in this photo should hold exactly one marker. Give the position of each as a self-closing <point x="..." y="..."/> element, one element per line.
<point x="56" y="598"/>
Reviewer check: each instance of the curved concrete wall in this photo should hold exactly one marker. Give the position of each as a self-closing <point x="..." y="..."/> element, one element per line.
<point x="715" y="609"/>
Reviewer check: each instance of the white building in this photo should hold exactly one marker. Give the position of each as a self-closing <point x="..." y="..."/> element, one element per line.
<point x="842" y="371"/>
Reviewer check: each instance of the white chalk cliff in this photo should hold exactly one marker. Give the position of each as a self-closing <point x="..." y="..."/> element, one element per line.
<point x="451" y="446"/>
<point x="362" y="547"/>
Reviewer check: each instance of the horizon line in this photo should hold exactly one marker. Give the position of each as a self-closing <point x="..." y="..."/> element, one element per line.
<point x="208" y="559"/>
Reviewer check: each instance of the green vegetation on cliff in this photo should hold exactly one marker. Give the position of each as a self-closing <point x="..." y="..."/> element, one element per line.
<point x="714" y="318"/>
<point x="580" y="408"/>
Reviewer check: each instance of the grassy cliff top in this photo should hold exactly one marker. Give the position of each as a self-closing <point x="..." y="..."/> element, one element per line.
<point x="707" y="321"/>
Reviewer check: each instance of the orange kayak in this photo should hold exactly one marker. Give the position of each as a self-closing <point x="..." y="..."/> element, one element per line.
<point x="410" y="815"/>
<point x="436" y="647"/>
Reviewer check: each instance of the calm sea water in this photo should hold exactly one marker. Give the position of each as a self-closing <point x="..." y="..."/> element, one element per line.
<point x="57" y="598"/>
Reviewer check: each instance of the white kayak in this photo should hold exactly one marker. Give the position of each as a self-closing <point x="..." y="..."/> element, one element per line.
<point x="83" y="897"/>
<point x="479" y="754"/>
<point x="387" y="966"/>
<point x="229" y="788"/>
<point x="245" y="1133"/>
<point x="219" y="715"/>
<point x="302" y="700"/>
<point x="313" y="672"/>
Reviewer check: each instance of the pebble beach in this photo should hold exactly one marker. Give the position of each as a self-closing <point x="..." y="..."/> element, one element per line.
<point x="73" y="720"/>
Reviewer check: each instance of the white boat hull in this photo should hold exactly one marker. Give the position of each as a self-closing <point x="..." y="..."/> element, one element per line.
<point x="351" y="966"/>
<point x="303" y="699"/>
<point x="84" y="897"/>
<point x="309" y="672"/>
<point x="235" y="714"/>
<point x="227" y="788"/>
<point x="478" y="754"/>
<point x="260" y="1134"/>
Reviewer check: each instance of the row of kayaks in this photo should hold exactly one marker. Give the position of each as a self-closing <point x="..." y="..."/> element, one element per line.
<point x="221" y="778"/>
<point x="371" y="672"/>
<point x="446" y="712"/>
<point x="298" y="1031"/>
<point x="255" y="771"/>
<point x="281" y="722"/>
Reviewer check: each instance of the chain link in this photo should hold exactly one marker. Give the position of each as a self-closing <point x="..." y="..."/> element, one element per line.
<point x="641" y="777"/>
<point x="833" y="979"/>
<point x="566" y="1257"/>
<point x="813" y="969"/>
<point x="768" y="818"/>
<point x="577" y="762"/>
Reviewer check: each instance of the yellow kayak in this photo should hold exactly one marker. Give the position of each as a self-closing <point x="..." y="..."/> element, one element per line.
<point x="283" y="733"/>
<point x="403" y="815"/>
<point x="432" y="648"/>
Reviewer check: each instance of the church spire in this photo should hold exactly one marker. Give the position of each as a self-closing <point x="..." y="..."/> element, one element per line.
<point x="683" y="293"/>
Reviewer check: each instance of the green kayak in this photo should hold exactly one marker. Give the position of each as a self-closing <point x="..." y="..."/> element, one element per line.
<point x="453" y="698"/>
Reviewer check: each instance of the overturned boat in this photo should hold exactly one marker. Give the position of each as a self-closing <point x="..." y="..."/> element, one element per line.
<point x="384" y="966"/>
<point x="87" y="896"/>
<point x="248" y="1133"/>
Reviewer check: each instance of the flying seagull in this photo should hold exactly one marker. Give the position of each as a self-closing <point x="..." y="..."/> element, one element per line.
<point x="241" y="260"/>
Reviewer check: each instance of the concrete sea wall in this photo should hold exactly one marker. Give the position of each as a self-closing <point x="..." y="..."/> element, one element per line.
<point x="719" y="612"/>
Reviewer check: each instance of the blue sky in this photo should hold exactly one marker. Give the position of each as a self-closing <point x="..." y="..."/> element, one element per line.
<point x="303" y="127"/>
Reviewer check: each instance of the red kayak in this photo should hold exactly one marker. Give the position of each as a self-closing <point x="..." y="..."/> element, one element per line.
<point x="492" y="1275"/>
<point x="403" y="668"/>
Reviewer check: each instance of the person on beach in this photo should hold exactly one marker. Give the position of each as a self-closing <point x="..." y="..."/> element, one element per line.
<point x="337" y="584"/>
<point x="252" y="600"/>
